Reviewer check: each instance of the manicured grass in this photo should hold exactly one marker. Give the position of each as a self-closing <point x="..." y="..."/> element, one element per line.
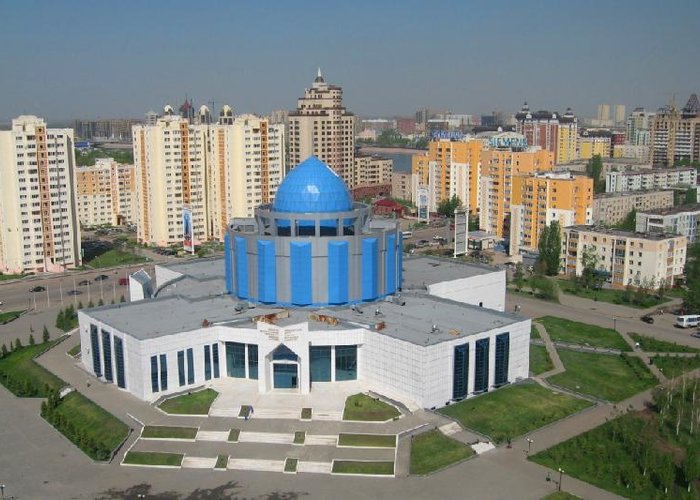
<point x="5" y="277"/>
<point x="299" y="437"/>
<point x="23" y="376"/>
<point x="514" y="410"/>
<point x="609" y="295"/>
<point x="6" y="317"/>
<point x="433" y="450"/>
<point x="93" y="429"/>
<point x="167" y="432"/>
<point x="650" y="344"/>
<point x="561" y="495"/>
<point x="112" y="258"/>
<point x="673" y="367"/>
<point x="290" y="465"/>
<point x="608" y="377"/>
<point x="153" y="458"/>
<point x="221" y="462"/>
<point x="74" y="351"/>
<point x="195" y="403"/>
<point x="573" y="332"/>
<point x="355" y="467"/>
<point x="245" y="411"/>
<point x="367" y="440"/>
<point x="539" y="360"/>
<point x="534" y="332"/>
<point x="233" y="435"/>
<point x="364" y="407"/>
<point x="306" y="413"/>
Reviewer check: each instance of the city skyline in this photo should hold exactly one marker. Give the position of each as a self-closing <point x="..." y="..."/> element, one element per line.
<point x="70" y="61"/>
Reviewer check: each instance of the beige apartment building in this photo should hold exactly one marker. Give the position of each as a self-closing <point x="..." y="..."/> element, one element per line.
<point x="218" y="171"/>
<point x="635" y="259"/>
<point x="105" y="193"/>
<point x="372" y="171"/>
<point x="39" y="229"/>
<point x="657" y="178"/>
<point x="612" y="208"/>
<point x="322" y="127"/>
<point x="540" y="199"/>
<point x="403" y="185"/>
<point x="675" y="134"/>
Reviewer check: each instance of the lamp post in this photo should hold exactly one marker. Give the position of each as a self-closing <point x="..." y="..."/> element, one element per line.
<point x="529" y="443"/>
<point x="614" y="323"/>
<point x="2" y="491"/>
<point x="561" y="472"/>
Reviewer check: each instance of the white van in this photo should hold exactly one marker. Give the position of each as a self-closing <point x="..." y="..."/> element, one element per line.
<point x="407" y="234"/>
<point x="688" y="320"/>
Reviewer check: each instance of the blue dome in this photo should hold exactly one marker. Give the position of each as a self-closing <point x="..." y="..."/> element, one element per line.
<point x="312" y="187"/>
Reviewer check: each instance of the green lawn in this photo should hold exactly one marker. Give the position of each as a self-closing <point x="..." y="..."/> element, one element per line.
<point x="299" y="437"/>
<point x="167" y="432"/>
<point x="513" y="411"/>
<point x="561" y="495"/>
<point x="564" y="330"/>
<point x="367" y="440"/>
<point x="650" y="344"/>
<point x="153" y="458"/>
<point x="74" y="351"/>
<point x="539" y="360"/>
<point x="196" y="403"/>
<point x="534" y="332"/>
<point x="221" y="462"/>
<point x="608" y="377"/>
<point x="114" y="257"/>
<point x="23" y="376"/>
<point x="356" y="467"/>
<point x="6" y="317"/>
<point x="433" y="450"/>
<point x="609" y="295"/>
<point x="306" y="413"/>
<point x="93" y="429"/>
<point x="5" y="277"/>
<point x="290" y="464"/>
<point x="233" y="435"/>
<point x="674" y="367"/>
<point x="364" y="407"/>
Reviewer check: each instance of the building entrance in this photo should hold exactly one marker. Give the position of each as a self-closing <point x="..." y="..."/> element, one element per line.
<point x="285" y="375"/>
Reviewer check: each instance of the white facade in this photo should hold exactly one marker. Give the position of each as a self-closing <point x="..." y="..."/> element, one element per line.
<point x="650" y="179"/>
<point x="105" y="193"/>
<point x="485" y="290"/>
<point x="39" y="230"/>
<point x="684" y="221"/>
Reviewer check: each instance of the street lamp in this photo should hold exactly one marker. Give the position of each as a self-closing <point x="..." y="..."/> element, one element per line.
<point x="529" y="443"/>
<point x="614" y="323"/>
<point x="2" y="491"/>
<point x="561" y="471"/>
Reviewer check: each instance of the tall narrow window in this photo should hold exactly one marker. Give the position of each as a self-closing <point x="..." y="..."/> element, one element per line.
<point x="181" y="367"/>
<point x="502" y="355"/>
<point x="190" y="366"/>
<point x="320" y="363"/>
<point x="154" y="373"/>
<point x="215" y="355"/>
<point x="95" y="344"/>
<point x="253" y="361"/>
<point x="119" y="361"/>
<point x="346" y="362"/>
<point x="107" y="355"/>
<point x="163" y="373"/>
<point x="207" y="362"/>
<point x="235" y="359"/>
<point x="460" y="372"/>
<point x="481" y="366"/>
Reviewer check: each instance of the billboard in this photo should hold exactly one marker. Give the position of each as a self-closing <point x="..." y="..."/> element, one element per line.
<point x="461" y="225"/>
<point x="187" y="230"/>
<point x="423" y="212"/>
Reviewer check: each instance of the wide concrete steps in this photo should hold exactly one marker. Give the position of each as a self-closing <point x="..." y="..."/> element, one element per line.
<point x="266" y="437"/>
<point x="212" y="436"/>
<point x="336" y="416"/>
<point x="256" y="464"/>
<point x="198" y="462"/>
<point x="315" y="467"/>
<point x="224" y="412"/>
<point x="321" y="440"/>
<point x="274" y="413"/>
<point x="450" y="429"/>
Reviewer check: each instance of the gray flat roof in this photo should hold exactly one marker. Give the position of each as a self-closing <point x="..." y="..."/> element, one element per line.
<point x="427" y="270"/>
<point x="201" y="269"/>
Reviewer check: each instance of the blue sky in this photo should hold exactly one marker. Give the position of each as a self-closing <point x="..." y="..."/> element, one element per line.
<point x="67" y="59"/>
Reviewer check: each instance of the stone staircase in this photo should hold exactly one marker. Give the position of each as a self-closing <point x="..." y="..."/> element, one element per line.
<point x="256" y="464"/>
<point x="315" y="467"/>
<point x="198" y="462"/>
<point x="212" y="436"/>
<point x="266" y="437"/>
<point x="321" y="440"/>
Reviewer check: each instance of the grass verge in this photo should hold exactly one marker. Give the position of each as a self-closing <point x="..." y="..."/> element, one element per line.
<point x="611" y="296"/>
<point x="74" y="351"/>
<point x="539" y="360"/>
<point x="432" y="450"/>
<point x="534" y="332"/>
<point x="299" y="437"/>
<point x="245" y="411"/>
<point x="306" y="413"/>
<point x="608" y="377"/>
<point x="290" y="464"/>
<point x="573" y="332"/>
<point x="221" y="462"/>
<point x="195" y="403"/>
<point x="112" y="258"/>
<point x="367" y="440"/>
<point x="89" y="426"/>
<point x="673" y="366"/>
<point x="356" y="467"/>
<point x="514" y="410"/>
<point x="233" y="435"/>
<point x="167" y="432"/>
<point x="367" y="408"/>
<point x="561" y="495"/>
<point x="153" y="458"/>
<point x="8" y="316"/>
<point x="24" y="377"/>
<point x="6" y="277"/>
<point x="650" y="344"/>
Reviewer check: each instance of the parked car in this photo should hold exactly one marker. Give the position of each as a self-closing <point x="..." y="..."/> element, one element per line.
<point x="647" y="319"/>
<point x="123" y="281"/>
<point x="102" y="277"/>
<point x="84" y="283"/>
<point x="75" y="292"/>
<point x="38" y="289"/>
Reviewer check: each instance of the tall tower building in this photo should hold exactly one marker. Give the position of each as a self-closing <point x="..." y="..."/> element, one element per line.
<point x="675" y="135"/>
<point x="619" y="115"/>
<point x="39" y="230"/>
<point x="540" y="128"/>
<point x="105" y="193"/>
<point x="322" y="127"/>
<point x="638" y="127"/>
<point x="567" y="136"/>
<point x="603" y="112"/>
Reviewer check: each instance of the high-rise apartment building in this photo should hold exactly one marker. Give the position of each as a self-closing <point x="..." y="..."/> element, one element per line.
<point x="619" y="115"/>
<point x="322" y="127"/>
<point x="675" y="135"/>
<point x="219" y="171"/>
<point x="540" y="128"/>
<point x="105" y="193"/>
<point x="506" y="158"/>
<point x="372" y="172"/>
<point x="567" y="137"/>
<point x="540" y="199"/>
<point x="639" y="126"/>
<point x="603" y="112"/>
<point x="594" y="143"/>
<point x="39" y="230"/>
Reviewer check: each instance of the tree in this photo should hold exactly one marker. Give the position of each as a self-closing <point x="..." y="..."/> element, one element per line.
<point x="629" y="223"/>
<point x="100" y="302"/>
<point x="691" y="196"/>
<point x="591" y="276"/>
<point x="90" y="305"/>
<point x="4" y="351"/>
<point x="691" y="301"/>
<point x="691" y="465"/>
<point x="122" y="299"/>
<point x="447" y="206"/>
<point x="31" y="339"/>
<point x="543" y="287"/>
<point x="18" y="343"/>
<point x="594" y="169"/>
<point x="550" y="248"/>
<point x="519" y="276"/>
<point x="45" y="335"/>
<point x="80" y="305"/>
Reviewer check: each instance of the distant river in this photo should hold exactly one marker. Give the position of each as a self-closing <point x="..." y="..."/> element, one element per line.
<point x="402" y="161"/>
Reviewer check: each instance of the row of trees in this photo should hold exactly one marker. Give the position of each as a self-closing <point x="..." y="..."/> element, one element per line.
<point x="691" y="301"/>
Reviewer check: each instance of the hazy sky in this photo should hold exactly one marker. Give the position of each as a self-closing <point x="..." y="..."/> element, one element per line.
<point x="120" y="58"/>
